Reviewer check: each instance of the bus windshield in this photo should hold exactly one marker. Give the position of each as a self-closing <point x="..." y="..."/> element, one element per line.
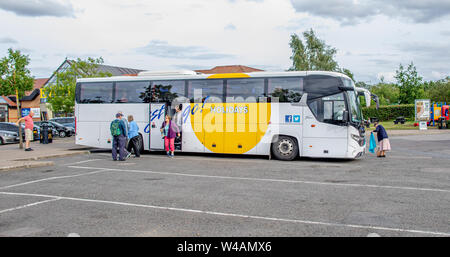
<point x="355" y="107"/>
<point x="354" y="104"/>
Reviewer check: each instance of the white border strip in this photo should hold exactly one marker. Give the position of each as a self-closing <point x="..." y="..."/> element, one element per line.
<point x="271" y="180"/>
<point x="29" y="205"/>
<point x="52" y="178"/>
<point x="92" y="160"/>
<point x="233" y="215"/>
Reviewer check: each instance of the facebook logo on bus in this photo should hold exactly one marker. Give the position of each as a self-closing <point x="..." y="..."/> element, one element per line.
<point x="288" y="118"/>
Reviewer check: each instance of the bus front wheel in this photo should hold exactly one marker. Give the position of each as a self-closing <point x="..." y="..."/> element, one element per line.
<point x="285" y="148"/>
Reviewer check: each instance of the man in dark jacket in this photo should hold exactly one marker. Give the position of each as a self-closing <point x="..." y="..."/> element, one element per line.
<point x="118" y="132"/>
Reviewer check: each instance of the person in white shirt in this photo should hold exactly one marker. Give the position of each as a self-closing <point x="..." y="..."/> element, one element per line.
<point x="178" y="117"/>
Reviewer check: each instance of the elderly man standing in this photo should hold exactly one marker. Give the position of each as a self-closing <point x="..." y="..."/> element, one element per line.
<point x="29" y="125"/>
<point x="119" y="134"/>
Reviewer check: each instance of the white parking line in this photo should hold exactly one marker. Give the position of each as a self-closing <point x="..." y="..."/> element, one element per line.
<point x="271" y="180"/>
<point x="234" y="215"/>
<point x="28" y="205"/>
<point x="52" y="178"/>
<point x="92" y="160"/>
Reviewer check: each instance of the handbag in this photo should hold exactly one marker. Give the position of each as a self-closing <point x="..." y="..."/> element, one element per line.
<point x="372" y="143"/>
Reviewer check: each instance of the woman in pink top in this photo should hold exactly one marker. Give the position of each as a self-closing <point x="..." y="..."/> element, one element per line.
<point x="28" y="129"/>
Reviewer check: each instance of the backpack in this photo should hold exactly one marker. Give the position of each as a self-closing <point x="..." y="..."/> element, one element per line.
<point x="115" y="128"/>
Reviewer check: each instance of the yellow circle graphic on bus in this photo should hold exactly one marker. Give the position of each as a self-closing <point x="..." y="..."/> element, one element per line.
<point x="231" y="127"/>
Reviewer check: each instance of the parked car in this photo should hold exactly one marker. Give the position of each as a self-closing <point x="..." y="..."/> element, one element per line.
<point x="65" y="121"/>
<point x="61" y="130"/>
<point x="8" y="137"/>
<point x="12" y="127"/>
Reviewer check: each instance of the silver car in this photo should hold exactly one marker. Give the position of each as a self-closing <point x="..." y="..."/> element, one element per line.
<point x="8" y="137"/>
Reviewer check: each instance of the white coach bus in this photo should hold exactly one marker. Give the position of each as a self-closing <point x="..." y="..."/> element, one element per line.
<point x="280" y="114"/>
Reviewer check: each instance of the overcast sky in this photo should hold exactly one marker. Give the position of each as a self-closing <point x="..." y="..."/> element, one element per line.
<point x="372" y="37"/>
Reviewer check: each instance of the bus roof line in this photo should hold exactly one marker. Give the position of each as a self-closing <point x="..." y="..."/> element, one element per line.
<point x="212" y="76"/>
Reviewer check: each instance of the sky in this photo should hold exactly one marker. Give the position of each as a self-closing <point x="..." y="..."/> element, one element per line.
<point x="372" y="37"/>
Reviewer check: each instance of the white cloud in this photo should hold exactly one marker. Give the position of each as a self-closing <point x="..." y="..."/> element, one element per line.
<point x="157" y="35"/>
<point x="388" y="76"/>
<point x="8" y="40"/>
<point x="163" y="49"/>
<point x="350" y="12"/>
<point x="35" y="8"/>
<point x="436" y="75"/>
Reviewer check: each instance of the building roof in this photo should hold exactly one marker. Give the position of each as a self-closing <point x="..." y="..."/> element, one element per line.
<point x="38" y="83"/>
<point x="229" y="69"/>
<point x="4" y="100"/>
<point x="29" y="95"/>
<point x="114" y="70"/>
<point x="118" y="71"/>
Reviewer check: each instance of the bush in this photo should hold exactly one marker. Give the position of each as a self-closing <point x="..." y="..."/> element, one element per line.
<point x="389" y="112"/>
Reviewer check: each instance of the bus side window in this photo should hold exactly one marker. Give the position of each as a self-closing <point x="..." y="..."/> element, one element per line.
<point x="97" y="92"/>
<point x="132" y="92"/>
<point x="328" y="109"/>
<point x="211" y="89"/>
<point x="287" y="90"/>
<point x="167" y="91"/>
<point x="244" y="90"/>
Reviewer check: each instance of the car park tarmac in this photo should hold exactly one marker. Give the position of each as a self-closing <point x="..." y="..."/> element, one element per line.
<point x="405" y="194"/>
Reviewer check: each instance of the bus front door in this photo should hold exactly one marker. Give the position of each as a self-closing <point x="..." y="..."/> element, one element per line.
<point x="157" y="115"/>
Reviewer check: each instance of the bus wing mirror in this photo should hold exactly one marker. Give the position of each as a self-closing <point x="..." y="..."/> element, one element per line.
<point x="367" y="98"/>
<point x="375" y="98"/>
<point x="345" y="116"/>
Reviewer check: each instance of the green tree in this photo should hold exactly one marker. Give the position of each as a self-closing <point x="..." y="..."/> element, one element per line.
<point x="409" y="83"/>
<point x="15" y="79"/>
<point x="388" y="93"/>
<point x="313" y="55"/>
<point x="438" y="91"/>
<point x="348" y="73"/>
<point x="61" y="94"/>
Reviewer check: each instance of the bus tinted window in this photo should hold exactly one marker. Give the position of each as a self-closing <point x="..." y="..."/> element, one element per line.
<point x="286" y="89"/>
<point x="321" y="85"/>
<point x="131" y="92"/>
<point x="100" y="92"/>
<point x="329" y="109"/>
<point x="213" y="89"/>
<point x="166" y="91"/>
<point x="244" y="90"/>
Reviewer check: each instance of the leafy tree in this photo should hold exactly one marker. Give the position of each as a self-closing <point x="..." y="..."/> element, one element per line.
<point x="348" y="73"/>
<point x="362" y="84"/>
<point x="15" y="79"/>
<point x="410" y="84"/>
<point x="313" y="55"/>
<point x="438" y="91"/>
<point x="388" y="93"/>
<point x="61" y="94"/>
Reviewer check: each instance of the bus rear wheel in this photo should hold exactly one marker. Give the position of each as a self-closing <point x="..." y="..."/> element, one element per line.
<point x="285" y="148"/>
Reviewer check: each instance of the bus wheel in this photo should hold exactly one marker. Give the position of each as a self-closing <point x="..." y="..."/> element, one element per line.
<point x="285" y="148"/>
